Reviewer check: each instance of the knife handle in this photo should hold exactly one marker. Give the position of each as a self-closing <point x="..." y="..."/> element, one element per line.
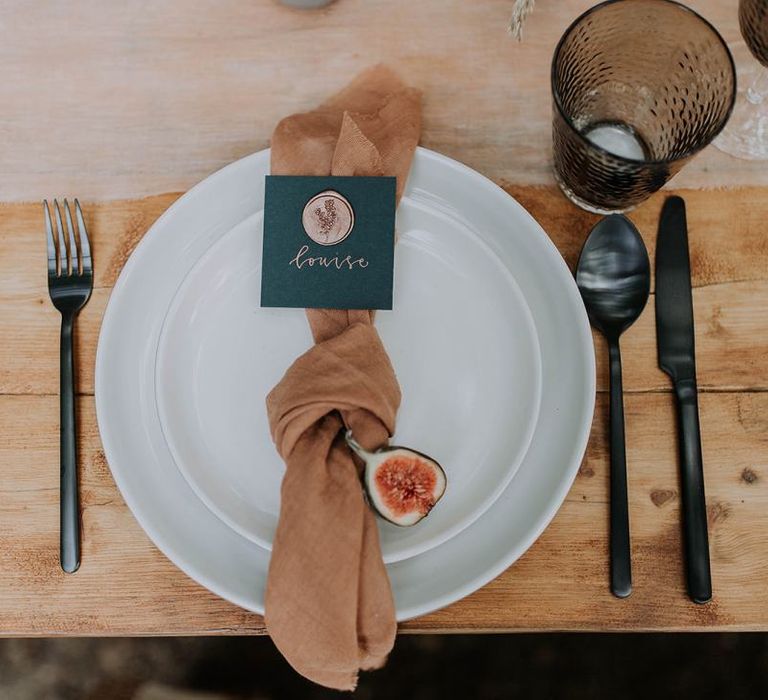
<point x="696" y="540"/>
<point x="621" y="560"/>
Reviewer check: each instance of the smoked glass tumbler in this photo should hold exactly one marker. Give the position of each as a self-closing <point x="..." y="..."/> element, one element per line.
<point x="639" y="87"/>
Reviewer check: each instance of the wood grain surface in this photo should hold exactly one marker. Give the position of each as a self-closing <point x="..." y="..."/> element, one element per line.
<point x="125" y="586"/>
<point x="123" y="99"/>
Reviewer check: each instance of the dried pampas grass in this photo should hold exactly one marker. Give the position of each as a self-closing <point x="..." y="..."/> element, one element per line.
<point x="520" y="11"/>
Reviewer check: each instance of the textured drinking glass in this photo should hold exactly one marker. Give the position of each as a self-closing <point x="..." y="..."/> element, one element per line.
<point x="639" y="87"/>
<point x="747" y="132"/>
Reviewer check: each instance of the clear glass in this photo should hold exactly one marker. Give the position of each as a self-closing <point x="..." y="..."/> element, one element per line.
<point x="639" y="87"/>
<point x="747" y="133"/>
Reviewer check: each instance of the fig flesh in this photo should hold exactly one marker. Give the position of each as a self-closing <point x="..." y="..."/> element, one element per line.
<point x="402" y="485"/>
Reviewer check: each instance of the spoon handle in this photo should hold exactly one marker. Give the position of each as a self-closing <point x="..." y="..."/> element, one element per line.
<point x="621" y="564"/>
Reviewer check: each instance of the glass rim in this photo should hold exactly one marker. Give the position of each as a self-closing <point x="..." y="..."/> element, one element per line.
<point x="645" y="161"/>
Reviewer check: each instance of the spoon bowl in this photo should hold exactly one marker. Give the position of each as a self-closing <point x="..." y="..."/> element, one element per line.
<point x="614" y="277"/>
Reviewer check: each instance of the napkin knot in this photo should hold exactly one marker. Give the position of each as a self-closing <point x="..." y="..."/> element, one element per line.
<point x="349" y="375"/>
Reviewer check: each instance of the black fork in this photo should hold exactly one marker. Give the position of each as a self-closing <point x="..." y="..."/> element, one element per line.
<point x="70" y="281"/>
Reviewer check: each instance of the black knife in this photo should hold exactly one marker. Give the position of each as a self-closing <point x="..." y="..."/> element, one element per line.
<point x="674" y="331"/>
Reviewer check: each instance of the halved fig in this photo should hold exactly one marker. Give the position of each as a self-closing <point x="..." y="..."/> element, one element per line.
<point x="402" y="485"/>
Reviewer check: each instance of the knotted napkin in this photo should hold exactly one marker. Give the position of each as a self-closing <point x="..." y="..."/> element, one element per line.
<point x="329" y="606"/>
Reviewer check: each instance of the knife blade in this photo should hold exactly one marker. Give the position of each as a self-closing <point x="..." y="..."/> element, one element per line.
<point x="677" y="357"/>
<point x="674" y="301"/>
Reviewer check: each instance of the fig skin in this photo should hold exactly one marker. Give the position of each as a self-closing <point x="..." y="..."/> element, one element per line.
<point x="378" y="460"/>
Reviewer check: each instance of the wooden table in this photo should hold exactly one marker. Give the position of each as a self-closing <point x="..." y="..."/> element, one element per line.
<point x="119" y="103"/>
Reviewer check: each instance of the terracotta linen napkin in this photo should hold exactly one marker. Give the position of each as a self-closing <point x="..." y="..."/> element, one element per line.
<point x="329" y="606"/>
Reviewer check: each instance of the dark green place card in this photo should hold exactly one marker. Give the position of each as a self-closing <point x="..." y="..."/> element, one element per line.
<point x="329" y="242"/>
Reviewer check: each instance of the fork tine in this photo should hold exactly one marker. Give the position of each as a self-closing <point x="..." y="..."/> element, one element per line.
<point x="85" y="244"/>
<point x="49" y="242"/>
<point x="66" y="267"/>
<point x="72" y="242"/>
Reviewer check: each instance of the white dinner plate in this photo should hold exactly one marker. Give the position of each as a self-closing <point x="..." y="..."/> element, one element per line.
<point x="159" y="279"/>
<point x="461" y="339"/>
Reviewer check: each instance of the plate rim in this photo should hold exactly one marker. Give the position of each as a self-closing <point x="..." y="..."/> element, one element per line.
<point x="508" y="556"/>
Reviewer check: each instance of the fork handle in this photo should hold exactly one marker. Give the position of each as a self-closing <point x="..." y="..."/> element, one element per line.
<point x="69" y="512"/>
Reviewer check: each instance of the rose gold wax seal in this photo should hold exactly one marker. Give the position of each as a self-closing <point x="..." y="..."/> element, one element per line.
<point x="328" y="218"/>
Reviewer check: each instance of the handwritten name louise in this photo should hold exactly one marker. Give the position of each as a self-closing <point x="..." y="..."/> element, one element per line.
<point x="302" y="260"/>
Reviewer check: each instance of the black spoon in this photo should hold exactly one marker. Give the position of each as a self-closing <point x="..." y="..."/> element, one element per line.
<point x="614" y="278"/>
